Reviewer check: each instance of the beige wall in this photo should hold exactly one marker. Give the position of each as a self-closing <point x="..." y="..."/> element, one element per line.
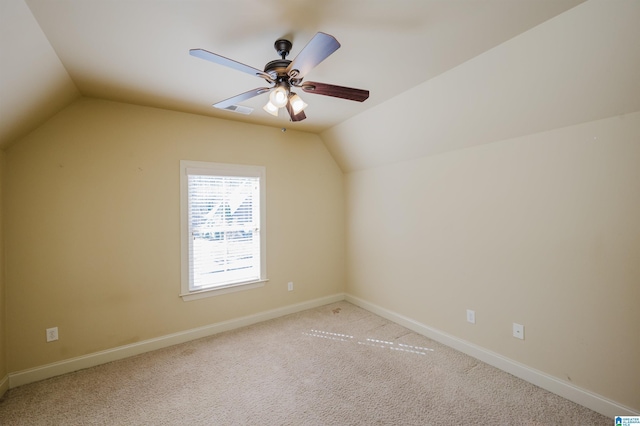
<point x="92" y="226"/>
<point x="543" y="230"/>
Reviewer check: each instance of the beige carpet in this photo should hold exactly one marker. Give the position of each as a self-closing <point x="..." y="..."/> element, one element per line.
<point x="333" y="365"/>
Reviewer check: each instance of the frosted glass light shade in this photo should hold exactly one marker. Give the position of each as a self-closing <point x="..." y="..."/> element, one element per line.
<point x="271" y="109"/>
<point x="279" y="96"/>
<point x="297" y="104"/>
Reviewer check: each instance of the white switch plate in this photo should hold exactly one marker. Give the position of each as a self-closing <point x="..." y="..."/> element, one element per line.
<point x="52" y="334"/>
<point x="518" y="331"/>
<point x="471" y="316"/>
<point x="290" y="286"/>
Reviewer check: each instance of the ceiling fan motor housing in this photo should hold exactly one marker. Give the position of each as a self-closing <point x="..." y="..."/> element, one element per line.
<point x="279" y="67"/>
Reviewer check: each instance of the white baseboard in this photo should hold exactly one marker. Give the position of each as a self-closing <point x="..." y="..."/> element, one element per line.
<point x="566" y="390"/>
<point x="109" y="355"/>
<point x="4" y="385"/>
<point x="559" y="387"/>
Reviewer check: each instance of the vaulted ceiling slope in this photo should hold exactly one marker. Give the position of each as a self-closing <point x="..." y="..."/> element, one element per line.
<point x="136" y="51"/>
<point x="34" y="84"/>
<point x="580" y="66"/>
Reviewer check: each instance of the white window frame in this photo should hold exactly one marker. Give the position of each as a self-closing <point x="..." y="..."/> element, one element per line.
<point x="217" y="169"/>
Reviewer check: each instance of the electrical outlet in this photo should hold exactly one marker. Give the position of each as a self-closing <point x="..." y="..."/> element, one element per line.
<point x="52" y="334"/>
<point x="290" y="286"/>
<point x="471" y="316"/>
<point x="518" y="331"/>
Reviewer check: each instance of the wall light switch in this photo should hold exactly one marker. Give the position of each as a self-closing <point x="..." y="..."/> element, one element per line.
<point x="290" y="286"/>
<point x="52" y="334"/>
<point x="471" y="316"/>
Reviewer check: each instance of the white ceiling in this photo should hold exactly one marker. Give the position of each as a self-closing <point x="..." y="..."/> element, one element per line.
<point x="580" y="66"/>
<point x="136" y="51"/>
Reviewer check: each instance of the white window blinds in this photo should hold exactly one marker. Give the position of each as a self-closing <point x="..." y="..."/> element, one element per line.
<point x="224" y="228"/>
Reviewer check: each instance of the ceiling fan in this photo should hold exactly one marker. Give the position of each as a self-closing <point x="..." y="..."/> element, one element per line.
<point x="284" y="75"/>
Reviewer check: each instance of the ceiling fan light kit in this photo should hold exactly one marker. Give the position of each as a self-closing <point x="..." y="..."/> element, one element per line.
<point x="283" y="74"/>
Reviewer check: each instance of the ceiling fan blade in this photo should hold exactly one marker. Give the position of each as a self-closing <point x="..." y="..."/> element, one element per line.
<point x="241" y="97"/>
<point x="221" y="60"/>
<point x="317" y="50"/>
<point x="335" y="91"/>
<point x="295" y="117"/>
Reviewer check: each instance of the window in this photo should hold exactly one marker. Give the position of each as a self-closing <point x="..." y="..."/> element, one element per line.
<point x="222" y="220"/>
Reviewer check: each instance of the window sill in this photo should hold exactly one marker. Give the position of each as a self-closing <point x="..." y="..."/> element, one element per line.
<point x="218" y="291"/>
